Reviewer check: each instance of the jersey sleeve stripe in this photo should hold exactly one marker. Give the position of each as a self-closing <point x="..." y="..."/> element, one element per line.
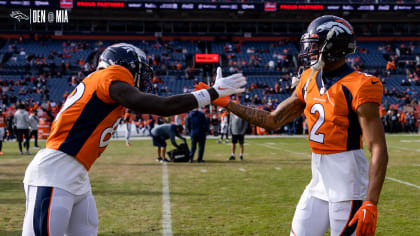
<point x="92" y="115"/>
<point x="353" y="130"/>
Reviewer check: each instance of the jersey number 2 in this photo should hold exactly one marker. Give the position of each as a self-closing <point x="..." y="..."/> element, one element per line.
<point x="317" y="137"/>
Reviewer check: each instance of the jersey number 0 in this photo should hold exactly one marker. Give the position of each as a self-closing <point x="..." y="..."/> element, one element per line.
<point x="80" y="90"/>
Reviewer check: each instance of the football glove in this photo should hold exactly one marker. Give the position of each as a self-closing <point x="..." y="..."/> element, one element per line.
<point x="221" y="101"/>
<point x="366" y="218"/>
<point x="232" y="84"/>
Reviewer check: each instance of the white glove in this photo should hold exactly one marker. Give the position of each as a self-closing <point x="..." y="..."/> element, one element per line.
<point x="232" y="84"/>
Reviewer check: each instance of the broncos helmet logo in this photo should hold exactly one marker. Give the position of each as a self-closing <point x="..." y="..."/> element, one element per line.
<point x="127" y="47"/>
<point x="18" y="15"/>
<point x="338" y="27"/>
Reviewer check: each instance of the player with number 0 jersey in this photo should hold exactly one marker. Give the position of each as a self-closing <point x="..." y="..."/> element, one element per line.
<point x="59" y="199"/>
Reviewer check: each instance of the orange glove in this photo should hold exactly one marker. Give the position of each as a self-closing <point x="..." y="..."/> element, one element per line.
<point x="366" y="218"/>
<point x="223" y="101"/>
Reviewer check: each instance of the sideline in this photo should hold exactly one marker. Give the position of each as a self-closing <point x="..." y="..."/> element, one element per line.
<point x="166" y="203"/>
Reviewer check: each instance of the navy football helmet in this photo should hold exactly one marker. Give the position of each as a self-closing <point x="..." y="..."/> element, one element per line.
<point x="328" y="39"/>
<point x="132" y="58"/>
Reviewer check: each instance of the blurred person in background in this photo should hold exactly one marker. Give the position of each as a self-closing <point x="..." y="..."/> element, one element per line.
<point x="238" y="128"/>
<point x="127" y="122"/>
<point x="3" y="125"/>
<point x="162" y="132"/>
<point x="198" y="128"/>
<point x="178" y="120"/>
<point x="10" y="126"/>
<point x="224" y="126"/>
<point x="33" y="126"/>
<point x="21" y="121"/>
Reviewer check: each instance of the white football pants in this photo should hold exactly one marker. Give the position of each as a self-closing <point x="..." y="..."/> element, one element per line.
<point x="55" y="212"/>
<point x="314" y="216"/>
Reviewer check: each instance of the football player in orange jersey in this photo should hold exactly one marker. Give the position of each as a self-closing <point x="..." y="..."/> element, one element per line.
<point x="341" y="105"/>
<point x="59" y="200"/>
<point x="127" y="122"/>
<point x="3" y="125"/>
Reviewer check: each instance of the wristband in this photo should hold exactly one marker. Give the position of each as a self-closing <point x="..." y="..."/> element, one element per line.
<point x="202" y="96"/>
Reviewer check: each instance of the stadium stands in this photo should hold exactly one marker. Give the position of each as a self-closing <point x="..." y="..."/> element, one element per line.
<point x="266" y="63"/>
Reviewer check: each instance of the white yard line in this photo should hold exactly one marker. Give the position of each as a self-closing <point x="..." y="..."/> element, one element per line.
<point x="390" y="178"/>
<point x="403" y="182"/>
<point x="410" y="141"/>
<point x="242" y="169"/>
<point x="406" y="149"/>
<point x="284" y="149"/>
<point x="166" y="203"/>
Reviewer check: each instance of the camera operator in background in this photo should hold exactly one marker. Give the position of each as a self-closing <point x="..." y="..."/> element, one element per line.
<point x="162" y="132"/>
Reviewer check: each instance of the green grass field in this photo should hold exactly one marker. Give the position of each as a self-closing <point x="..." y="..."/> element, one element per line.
<point x="256" y="196"/>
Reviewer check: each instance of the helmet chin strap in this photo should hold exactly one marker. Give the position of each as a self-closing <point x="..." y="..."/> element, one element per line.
<point x="319" y="65"/>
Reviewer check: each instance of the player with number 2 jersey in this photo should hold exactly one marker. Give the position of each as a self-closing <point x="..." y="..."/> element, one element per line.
<point x="341" y="105"/>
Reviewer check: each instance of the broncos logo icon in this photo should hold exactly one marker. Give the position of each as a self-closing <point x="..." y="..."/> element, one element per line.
<point x="338" y="27"/>
<point x="18" y="15"/>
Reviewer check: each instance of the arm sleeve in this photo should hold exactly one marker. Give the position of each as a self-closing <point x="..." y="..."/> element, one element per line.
<point x="172" y="136"/>
<point x="111" y="74"/>
<point x="369" y="91"/>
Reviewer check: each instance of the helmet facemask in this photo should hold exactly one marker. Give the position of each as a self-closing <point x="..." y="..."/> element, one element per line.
<point x="143" y="77"/>
<point x="309" y="50"/>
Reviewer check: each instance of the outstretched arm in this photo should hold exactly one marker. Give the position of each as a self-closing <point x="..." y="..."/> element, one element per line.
<point x="373" y="133"/>
<point x="286" y="111"/>
<point x="133" y="99"/>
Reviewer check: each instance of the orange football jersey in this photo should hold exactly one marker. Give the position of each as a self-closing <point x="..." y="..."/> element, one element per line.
<point x="89" y="117"/>
<point x="224" y="117"/>
<point x="332" y="120"/>
<point x="2" y="120"/>
<point x="127" y="117"/>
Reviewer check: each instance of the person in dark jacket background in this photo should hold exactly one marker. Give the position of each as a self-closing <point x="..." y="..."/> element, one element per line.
<point x="198" y="127"/>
